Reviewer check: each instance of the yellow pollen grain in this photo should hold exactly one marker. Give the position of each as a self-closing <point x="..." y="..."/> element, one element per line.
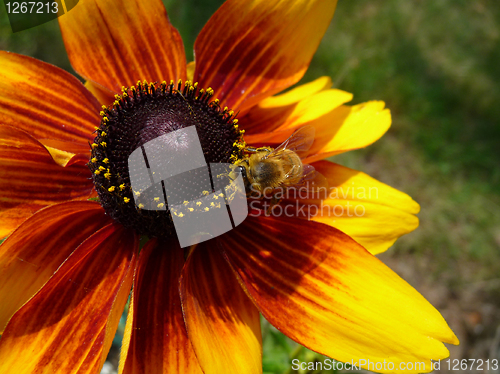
<point x="111" y="189"/>
<point x="97" y="172"/>
<point x="141" y="206"/>
<point x="160" y="205"/>
<point x="206" y="209"/>
<point x="212" y="204"/>
<point x="105" y="119"/>
<point x="198" y="203"/>
<point x="205" y="193"/>
<point x="93" y="160"/>
<point x="186" y="202"/>
<point x="137" y="193"/>
<point x="221" y="195"/>
<point x="122" y="186"/>
<point x="103" y="133"/>
<point x="181" y="215"/>
<point x="126" y="199"/>
<point x="103" y="144"/>
<point x="106" y="160"/>
<point x="157" y="199"/>
<point x="107" y="175"/>
<point x="94" y="146"/>
<point x="190" y="209"/>
<point x="102" y="114"/>
<point x="96" y="128"/>
<point x="101" y="168"/>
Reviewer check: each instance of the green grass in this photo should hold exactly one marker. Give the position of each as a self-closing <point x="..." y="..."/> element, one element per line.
<point x="436" y="65"/>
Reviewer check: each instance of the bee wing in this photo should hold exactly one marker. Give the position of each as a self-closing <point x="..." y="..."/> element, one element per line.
<point x="312" y="181"/>
<point x="299" y="142"/>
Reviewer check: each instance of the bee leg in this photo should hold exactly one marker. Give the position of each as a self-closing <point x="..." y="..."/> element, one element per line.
<point x="260" y="149"/>
<point x="251" y="149"/>
<point x="274" y="201"/>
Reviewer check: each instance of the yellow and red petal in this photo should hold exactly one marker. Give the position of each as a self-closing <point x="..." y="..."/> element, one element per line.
<point x="68" y="326"/>
<point x="102" y="94"/>
<point x="369" y="211"/>
<point x="65" y="153"/>
<point x="273" y="124"/>
<point x="347" y="128"/>
<point x="32" y="253"/>
<point x="325" y="291"/>
<point x="157" y="342"/>
<point x="31" y="179"/>
<point x="115" y="43"/>
<point x="250" y="50"/>
<point x="222" y="323"/>
<point x="45" y="101"/>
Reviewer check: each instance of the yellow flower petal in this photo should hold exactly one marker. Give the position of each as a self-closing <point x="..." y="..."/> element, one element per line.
<point x="190" y="70"/>
<point x="66" y="153"/>
<point x="275" y="124"/>
<point x="325" y="291"/>
<point x="222" y="322"/>
<point x="297" y="94"/>
<point x="105" y="96"/>
<point x="371" y="212"/>
<point x="347" y="128"/>
<point x="250" y="50"/>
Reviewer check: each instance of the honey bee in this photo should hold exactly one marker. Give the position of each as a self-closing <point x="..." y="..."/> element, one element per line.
<point x="266" y="169"/>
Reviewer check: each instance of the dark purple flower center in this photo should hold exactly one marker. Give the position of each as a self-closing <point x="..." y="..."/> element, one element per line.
<point x="141" y="114"/>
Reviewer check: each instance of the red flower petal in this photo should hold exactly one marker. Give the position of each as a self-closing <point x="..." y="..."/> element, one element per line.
<point x="158" y="341"/>
<point x="68" y="326"/>
<point x="45" y="101"/>
<point x="249" y="50"/>
<point x="32" y="253"/>
<point x="222" y="322"/>
<point x="30" y="179"/>
<point x="116" y="43"/>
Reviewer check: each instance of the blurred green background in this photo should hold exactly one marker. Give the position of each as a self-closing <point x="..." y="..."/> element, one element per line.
<point x="436" y="64"/>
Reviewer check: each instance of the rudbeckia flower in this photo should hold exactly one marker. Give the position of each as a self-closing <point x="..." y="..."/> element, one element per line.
<point x="70" y="260"/>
